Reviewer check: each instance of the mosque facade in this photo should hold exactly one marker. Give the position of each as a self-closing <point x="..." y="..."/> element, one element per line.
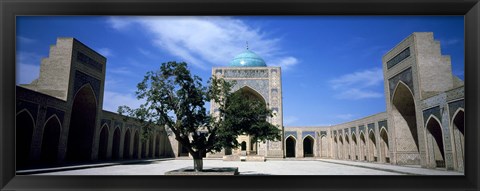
<point x="60" y="116"/>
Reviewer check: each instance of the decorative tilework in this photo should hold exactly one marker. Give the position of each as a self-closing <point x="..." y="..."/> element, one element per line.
<point x="305" y="133"/>
<point x="90" y="62"/>
<point x="383" y="124"/>
<point x="398" y="58"/>
<point x="292" y="133"/>
<point x="54" y="111"/>
<point x="435" y="111"/>
<point x="453" y="106"/>
<point x="405" y="76"/>
<point x="82" y="79"/>
<point x="30" y="107"/>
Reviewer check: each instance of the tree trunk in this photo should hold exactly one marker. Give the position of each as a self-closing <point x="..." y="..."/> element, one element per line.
<point x="198" y="164"/>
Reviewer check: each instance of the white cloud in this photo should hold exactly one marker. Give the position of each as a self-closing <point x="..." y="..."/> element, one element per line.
<point x="113" y="99"/>
<point x="105" y="52"/>
<point x="27" y="67"/>
<point x="289" y="120"/>
<point x="358" y="85"/>
<point x="25" y="40"/>
<point x="206" y="41"/>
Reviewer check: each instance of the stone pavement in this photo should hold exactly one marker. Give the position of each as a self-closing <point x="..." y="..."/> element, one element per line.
<point x="270" y="167"/>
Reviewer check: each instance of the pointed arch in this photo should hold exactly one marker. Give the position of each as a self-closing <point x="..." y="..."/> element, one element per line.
<point x="50" y="139"/>
<point x="126" y="145"/>
<point x="403" y="115"/>
<point x="355" y="145"/>
<point x="25" y="124"/>
<point x="347" y="147"/>
<point x="136" y="144"/>
<point x="308" y="143"/>
<point x="116" y="143"/>
<point x="363" y="147"/>
<point x="103" y="143"/>
<point x="290" y="145"/>
<point x="82" y="124"/>
<point x="435" y="144"/>
<point x="384" y="147"/>
<point x="249" y="90"/>
<point x="372" y="149"/>
<point x="324" y="146"/>
<point x="458" y="131"/>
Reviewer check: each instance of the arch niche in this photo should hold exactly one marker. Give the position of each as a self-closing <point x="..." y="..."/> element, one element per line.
<point x="290" y="146"/>
<point x="435" y="143"/>
<point x="340" y="147"/>
<point x="384" y="145"/>
<point x="355" y="146"/>
<point x="157" y="145"/>
<point x="103" y="143"/>
<point x="116" y="144"/>
<point x="324" y="142"/>
<point x="347" y="148"/>
<point x="372" y="149"/>
<point x="126" y="145"/>
<point x="50" y="140"/>
<point x="459" y="138"/>
<point x="363" y="147"/>
<point x="308" y="143"/>
<point x="136" y="144"/>
<point x="23" y="137"/>
<point x="405" y="122"/>
<point x="82" y="125"/>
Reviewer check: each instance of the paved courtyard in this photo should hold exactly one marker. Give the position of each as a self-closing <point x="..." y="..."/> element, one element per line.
<point x="271" y="167"/>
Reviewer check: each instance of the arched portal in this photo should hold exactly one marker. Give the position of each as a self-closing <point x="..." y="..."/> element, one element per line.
<point x="308" y="143"/>
<point x="126" y="145"/>
<point x="459" y="138"/>
<point x="136" y="144"/>
<point x="103" y="144"/>
<point x="363" y="147"/>
<point x="435" y="142"/>
<point x="340" y="148"/>
<point x="23" y="137"/>
<point x="324" y="147"/>
<point x="82" y="125"/>
<point x="290" y="146"/>
<point x="157" y="145"/>
<point x="384" y="145"/>
<point x="244" y="146"/>
<point x="116" y="144"/>
<point x="355" y="146"/>
<point x="347" y="148"/>
<point x="405" y="121"/>
<point x="372" y="149"/>
<point x="51" y="137"/>
<point x="335" y="148"/>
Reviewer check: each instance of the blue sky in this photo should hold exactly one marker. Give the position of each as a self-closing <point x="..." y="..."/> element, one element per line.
<point x="331" y="65"/>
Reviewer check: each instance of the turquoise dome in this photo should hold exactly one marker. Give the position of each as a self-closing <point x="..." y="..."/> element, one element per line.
<point x="247" y="59"/>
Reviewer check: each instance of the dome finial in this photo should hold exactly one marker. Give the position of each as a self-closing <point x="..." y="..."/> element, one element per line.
<point x="247" y="45"/>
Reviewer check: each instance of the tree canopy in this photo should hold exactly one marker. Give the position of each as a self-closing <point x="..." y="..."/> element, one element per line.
<point x="176" y="99"/>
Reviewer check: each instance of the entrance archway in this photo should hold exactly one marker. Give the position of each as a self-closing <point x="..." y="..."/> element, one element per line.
<point x="126" y="145"/>
<point x="116" y="144"/>
<point x="308" y="143"/>
<point x="103" y="143"/>
<point x="244" y="146"/>
<point x="355" y="146"/>
<point x="435" y="142"/>
<point x="372" y="147"/>
<point x="384" y="145"/>
<point x="290" y="146"/>
<point x="459" y="138"/>
<point x="363" y="147"/>
<point x="82" y="125"/>
<point x="404" y="118"/>
<point x="51" y="137"/>
<point x="23" y="137"/>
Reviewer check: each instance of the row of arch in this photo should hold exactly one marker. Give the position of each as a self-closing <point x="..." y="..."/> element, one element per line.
<point x="362" y="148"/>
<point x="53" y="143"/>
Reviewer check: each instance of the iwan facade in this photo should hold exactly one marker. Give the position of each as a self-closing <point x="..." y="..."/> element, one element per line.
<point x="60" y="118"/>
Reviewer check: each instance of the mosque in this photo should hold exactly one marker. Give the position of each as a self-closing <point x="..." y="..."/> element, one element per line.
<point x="60" y="117"/>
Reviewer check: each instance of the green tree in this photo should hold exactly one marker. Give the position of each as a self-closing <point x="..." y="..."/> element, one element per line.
<point x="176" y="99"/>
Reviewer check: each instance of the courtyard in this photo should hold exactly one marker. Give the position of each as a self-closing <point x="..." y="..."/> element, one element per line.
<point x="270" y="167"/>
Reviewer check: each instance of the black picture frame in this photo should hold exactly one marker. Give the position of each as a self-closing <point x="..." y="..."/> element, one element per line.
<point x="9" y="9"/>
